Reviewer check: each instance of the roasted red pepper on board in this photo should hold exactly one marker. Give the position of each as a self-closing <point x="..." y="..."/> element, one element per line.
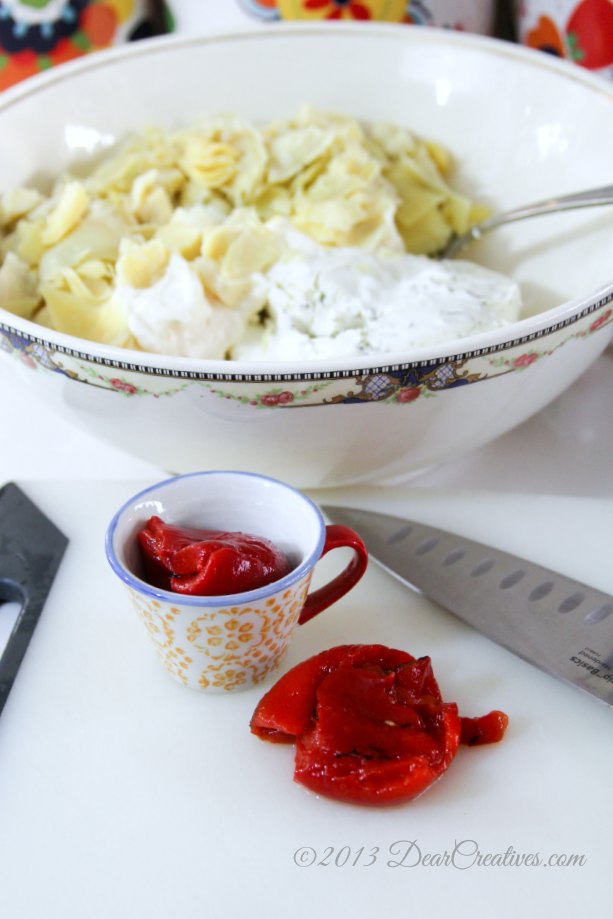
<point x="189" y="560"/>
<point x="488" y="728"/>
<point x="369" y="723"/>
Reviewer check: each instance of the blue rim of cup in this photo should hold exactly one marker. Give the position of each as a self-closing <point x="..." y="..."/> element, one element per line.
<point x="178" y="599"/>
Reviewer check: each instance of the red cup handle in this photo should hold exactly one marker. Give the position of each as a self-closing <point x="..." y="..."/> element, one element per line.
<point x="336" y="537"/>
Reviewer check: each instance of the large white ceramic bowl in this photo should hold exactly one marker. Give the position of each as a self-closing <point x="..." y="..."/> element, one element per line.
<point x="522" y="125"/>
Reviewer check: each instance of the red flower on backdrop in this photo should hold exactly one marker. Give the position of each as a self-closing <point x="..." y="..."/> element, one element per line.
<point x="364" y="10"/>
<point x="338" y="7"/>
<point x="587" y="37"/>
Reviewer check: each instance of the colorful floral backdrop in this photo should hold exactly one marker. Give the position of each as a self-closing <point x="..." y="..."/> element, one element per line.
<point x="578" y="31"/>
<point x="38" y="34"/>
<point x="450" y="13"/>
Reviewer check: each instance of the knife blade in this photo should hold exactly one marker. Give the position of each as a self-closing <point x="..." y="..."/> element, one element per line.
<point x="31" y="549"/>
<point x="560" y="625"/>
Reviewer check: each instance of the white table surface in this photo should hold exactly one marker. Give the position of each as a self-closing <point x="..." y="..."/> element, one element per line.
<point x="123" y="794"/>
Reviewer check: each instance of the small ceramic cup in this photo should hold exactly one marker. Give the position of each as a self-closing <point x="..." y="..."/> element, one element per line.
<point x="232" y="642"/>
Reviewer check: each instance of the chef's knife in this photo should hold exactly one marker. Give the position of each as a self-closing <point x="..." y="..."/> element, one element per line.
<point x="31" y="549"/>
<point x="560" y="625"/>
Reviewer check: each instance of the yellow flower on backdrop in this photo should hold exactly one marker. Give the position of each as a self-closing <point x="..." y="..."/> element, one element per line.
<point x="123" y="9"/>
<point x="384" y="10"/>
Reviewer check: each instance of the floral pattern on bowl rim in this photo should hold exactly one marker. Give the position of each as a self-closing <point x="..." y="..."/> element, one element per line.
<point x="393" y="383"/>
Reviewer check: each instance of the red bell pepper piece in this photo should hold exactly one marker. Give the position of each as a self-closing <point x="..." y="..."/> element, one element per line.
<point x="488" y="728"/>
<point x="189" y="560"/>
<point x="369" y="723"/>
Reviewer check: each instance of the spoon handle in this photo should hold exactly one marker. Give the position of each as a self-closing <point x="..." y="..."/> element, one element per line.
<point x="590" y="198"/>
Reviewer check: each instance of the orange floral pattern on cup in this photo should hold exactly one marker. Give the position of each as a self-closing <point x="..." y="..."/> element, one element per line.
<point x="222" y="648"/>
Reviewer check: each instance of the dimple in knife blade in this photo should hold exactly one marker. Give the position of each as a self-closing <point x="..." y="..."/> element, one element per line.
<point x="561" y="625"/>
<point x="31" y="549"/>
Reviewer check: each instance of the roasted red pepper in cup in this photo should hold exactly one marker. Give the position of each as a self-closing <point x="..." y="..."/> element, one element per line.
<point x="369" y="723"/>
<point x="189" y="560"/>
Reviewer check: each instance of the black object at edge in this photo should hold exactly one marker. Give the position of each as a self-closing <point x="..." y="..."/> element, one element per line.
<point x="31" y="549"/>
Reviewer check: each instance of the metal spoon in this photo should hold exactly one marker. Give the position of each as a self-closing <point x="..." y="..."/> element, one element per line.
<point x="551" y="206"/>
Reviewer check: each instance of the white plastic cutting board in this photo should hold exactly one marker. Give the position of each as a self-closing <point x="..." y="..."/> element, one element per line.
<point x="125" y="795"/>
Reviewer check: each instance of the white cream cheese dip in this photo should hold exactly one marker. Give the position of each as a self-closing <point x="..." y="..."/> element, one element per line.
<point x="336" y="302"/>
